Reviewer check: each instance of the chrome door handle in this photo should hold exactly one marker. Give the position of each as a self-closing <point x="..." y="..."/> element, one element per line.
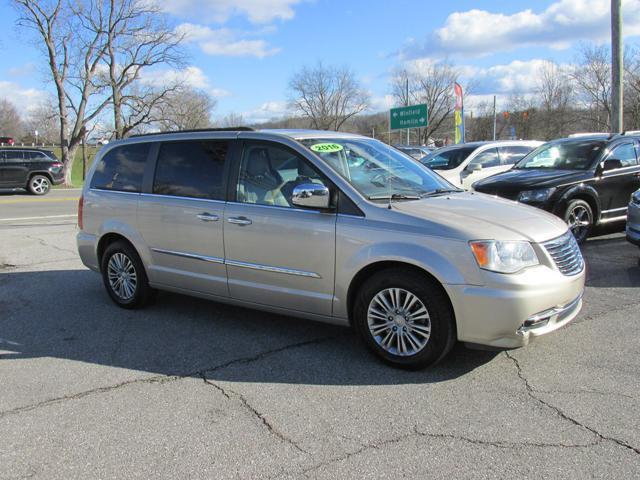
<point x="207" y="217"/>
<point x="239" y="220"/>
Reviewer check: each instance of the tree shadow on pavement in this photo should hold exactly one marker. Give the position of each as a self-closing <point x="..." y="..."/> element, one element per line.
<point x="67" y="314"/>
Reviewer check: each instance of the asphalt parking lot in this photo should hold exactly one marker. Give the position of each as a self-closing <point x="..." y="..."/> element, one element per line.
<point x="190" y="388"/>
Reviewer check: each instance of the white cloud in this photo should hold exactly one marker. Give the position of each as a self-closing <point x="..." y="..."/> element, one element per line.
<point x="378" y="104"/>
<point x="479" y="32"/>
<point x="219" y="11"/>
<point x="191" y="76"/>
<point x="24" y="99"/>
<point x="266" y="112"/>
<point x="225" y="42"/>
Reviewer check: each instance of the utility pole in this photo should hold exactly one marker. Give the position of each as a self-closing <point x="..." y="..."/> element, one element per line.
<point x="494" y="118"/>
<point x="407" y="104"/>
<point x="617" y="91"/>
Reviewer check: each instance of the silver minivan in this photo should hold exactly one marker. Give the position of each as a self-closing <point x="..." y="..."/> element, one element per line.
<point x="326" y="226"/>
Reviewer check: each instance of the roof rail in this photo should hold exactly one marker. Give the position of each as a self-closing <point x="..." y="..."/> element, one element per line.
<point x="197" y="130"/>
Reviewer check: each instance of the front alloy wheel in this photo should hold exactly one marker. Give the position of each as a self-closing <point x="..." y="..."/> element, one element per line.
<point x="579" y="218"/>
<point x="399" y="322"/>
<point x="405" y="317"/>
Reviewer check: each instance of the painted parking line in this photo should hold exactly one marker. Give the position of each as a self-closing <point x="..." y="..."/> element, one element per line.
<point x="38" y="200"/>
<point x="24" y="219"/>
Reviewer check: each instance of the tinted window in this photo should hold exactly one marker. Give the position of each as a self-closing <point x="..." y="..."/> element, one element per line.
<point x="191" y="169"/>
<point x="447" y="159"/>
<point x="488" y="158"/>
<point x="36" y="156"/>
<point x="14" y="156"/>
<point x="626" y="154"/>
<point x="512" y="155"/>
<point x="122" y="168"/>
<point x="269" y="173"/>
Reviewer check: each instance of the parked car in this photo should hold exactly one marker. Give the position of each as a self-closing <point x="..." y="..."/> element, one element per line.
<point x="415" y="152"/>
<point x="7" y="141"/>
<point x="466" y="163"/>
<point x="586" y="181"/>
<point x="633" y="219"/>
<point x="31" y="168"/>
<point x="327" y="226"/>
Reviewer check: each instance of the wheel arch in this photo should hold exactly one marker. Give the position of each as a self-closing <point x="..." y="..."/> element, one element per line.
<point x="580" y="192"/>
<point x="37" y="172"/>
<point x="108" y="239"/>
<point x="373" y="268"/>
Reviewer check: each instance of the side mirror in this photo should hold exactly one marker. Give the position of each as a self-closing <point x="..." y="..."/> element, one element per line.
<point x="474" y="167"/>
<point x="311" y="195"/>
<point x="611" y="164"/>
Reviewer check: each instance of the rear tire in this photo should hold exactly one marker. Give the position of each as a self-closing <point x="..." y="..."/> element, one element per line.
<point x="405" y="318"/>
<point x="124" y="276"/>
<point x="579" y="216"/>
<point x="39" y="185"/>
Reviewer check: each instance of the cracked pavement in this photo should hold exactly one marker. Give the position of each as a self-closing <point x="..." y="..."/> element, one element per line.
<point x="190" y="388"/>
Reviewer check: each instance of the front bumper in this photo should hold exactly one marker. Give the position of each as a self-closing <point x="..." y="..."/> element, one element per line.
<point x="511" y="310"/>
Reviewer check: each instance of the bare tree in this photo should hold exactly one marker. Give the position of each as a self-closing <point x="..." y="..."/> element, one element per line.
<point x="137" y="37"/>
<point x="327" y="96"/>
<point x="231" y="120"/>
<point x="555" y="97"/>
<point x="632" y="89"/>
<point x="73" y="55"/>
<point x="431" y="84"/>
<point x="11" y="124"/>
<point x="592" y="78"/>
<point x="184" y="109"/>
<point x="44" y="119"/>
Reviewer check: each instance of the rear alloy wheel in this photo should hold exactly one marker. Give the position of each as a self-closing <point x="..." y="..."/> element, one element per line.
<point x="579" y="217"/>
<point x="39" y="185"/>
<point x="124" y="276"/>
<point x="405" y="318"/>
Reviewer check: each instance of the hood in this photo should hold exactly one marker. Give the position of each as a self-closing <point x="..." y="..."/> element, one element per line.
<point x="481" y="217"/>
<point x="526" y="179"/>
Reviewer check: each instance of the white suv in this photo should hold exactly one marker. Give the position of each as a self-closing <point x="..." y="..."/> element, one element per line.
<point x="466" y="163"/>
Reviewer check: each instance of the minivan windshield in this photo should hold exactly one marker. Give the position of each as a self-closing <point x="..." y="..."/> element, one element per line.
<point x="447" y="159"/>
<point x="376" y="170"/>
<point x="569" y="155"/>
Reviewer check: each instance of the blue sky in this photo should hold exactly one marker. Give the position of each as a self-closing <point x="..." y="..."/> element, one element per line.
<point x="243" y="52"/>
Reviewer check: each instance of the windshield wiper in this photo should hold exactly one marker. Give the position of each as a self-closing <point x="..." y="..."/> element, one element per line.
<point x="394" y="196"/>
<point x="440" y="191"/>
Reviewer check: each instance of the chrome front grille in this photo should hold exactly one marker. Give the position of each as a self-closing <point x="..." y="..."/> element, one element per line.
<point x="565" y="253"/>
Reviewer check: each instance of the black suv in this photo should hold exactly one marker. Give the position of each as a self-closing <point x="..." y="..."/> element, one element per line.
<point x="585" y="180"/>
<point x="30" y="168"/>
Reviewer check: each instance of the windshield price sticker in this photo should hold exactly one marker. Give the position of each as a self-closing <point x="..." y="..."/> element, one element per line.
<point x="326" y="147"/>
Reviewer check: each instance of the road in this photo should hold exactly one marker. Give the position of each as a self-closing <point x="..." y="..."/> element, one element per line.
<point x="57" y="204"/>
<point x="193" y="389"/>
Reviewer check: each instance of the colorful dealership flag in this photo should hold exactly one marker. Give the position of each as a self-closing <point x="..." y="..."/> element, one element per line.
<point x="458" y="114"/>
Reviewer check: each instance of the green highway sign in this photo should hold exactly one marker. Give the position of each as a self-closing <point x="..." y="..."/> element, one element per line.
<point x="414" y="116"/>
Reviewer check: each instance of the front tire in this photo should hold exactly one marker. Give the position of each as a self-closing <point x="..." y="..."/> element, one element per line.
<point x="405" y="318"/>
<point x="39" y="185"/>
<point x="579" y="216"/>
<point x="124" y="276"/>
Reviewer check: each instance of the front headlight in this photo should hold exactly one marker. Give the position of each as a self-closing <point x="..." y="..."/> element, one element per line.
<point x="535" y="196"/>
<point x="503" y="257"/>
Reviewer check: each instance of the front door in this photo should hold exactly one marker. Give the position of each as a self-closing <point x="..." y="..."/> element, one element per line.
<point x="616" y="185"/>
<point x="489" y="162"/>
<point x="181" y="217"/>
<point x="277" y="254"/>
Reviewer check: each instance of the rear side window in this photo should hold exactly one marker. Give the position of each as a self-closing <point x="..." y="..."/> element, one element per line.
<point x="35" y="156"/>
<point x="512" y="155"/>
<point x="14" y="156"/>
<point x="122" y="168"/>
<point x="191" y="169"/>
